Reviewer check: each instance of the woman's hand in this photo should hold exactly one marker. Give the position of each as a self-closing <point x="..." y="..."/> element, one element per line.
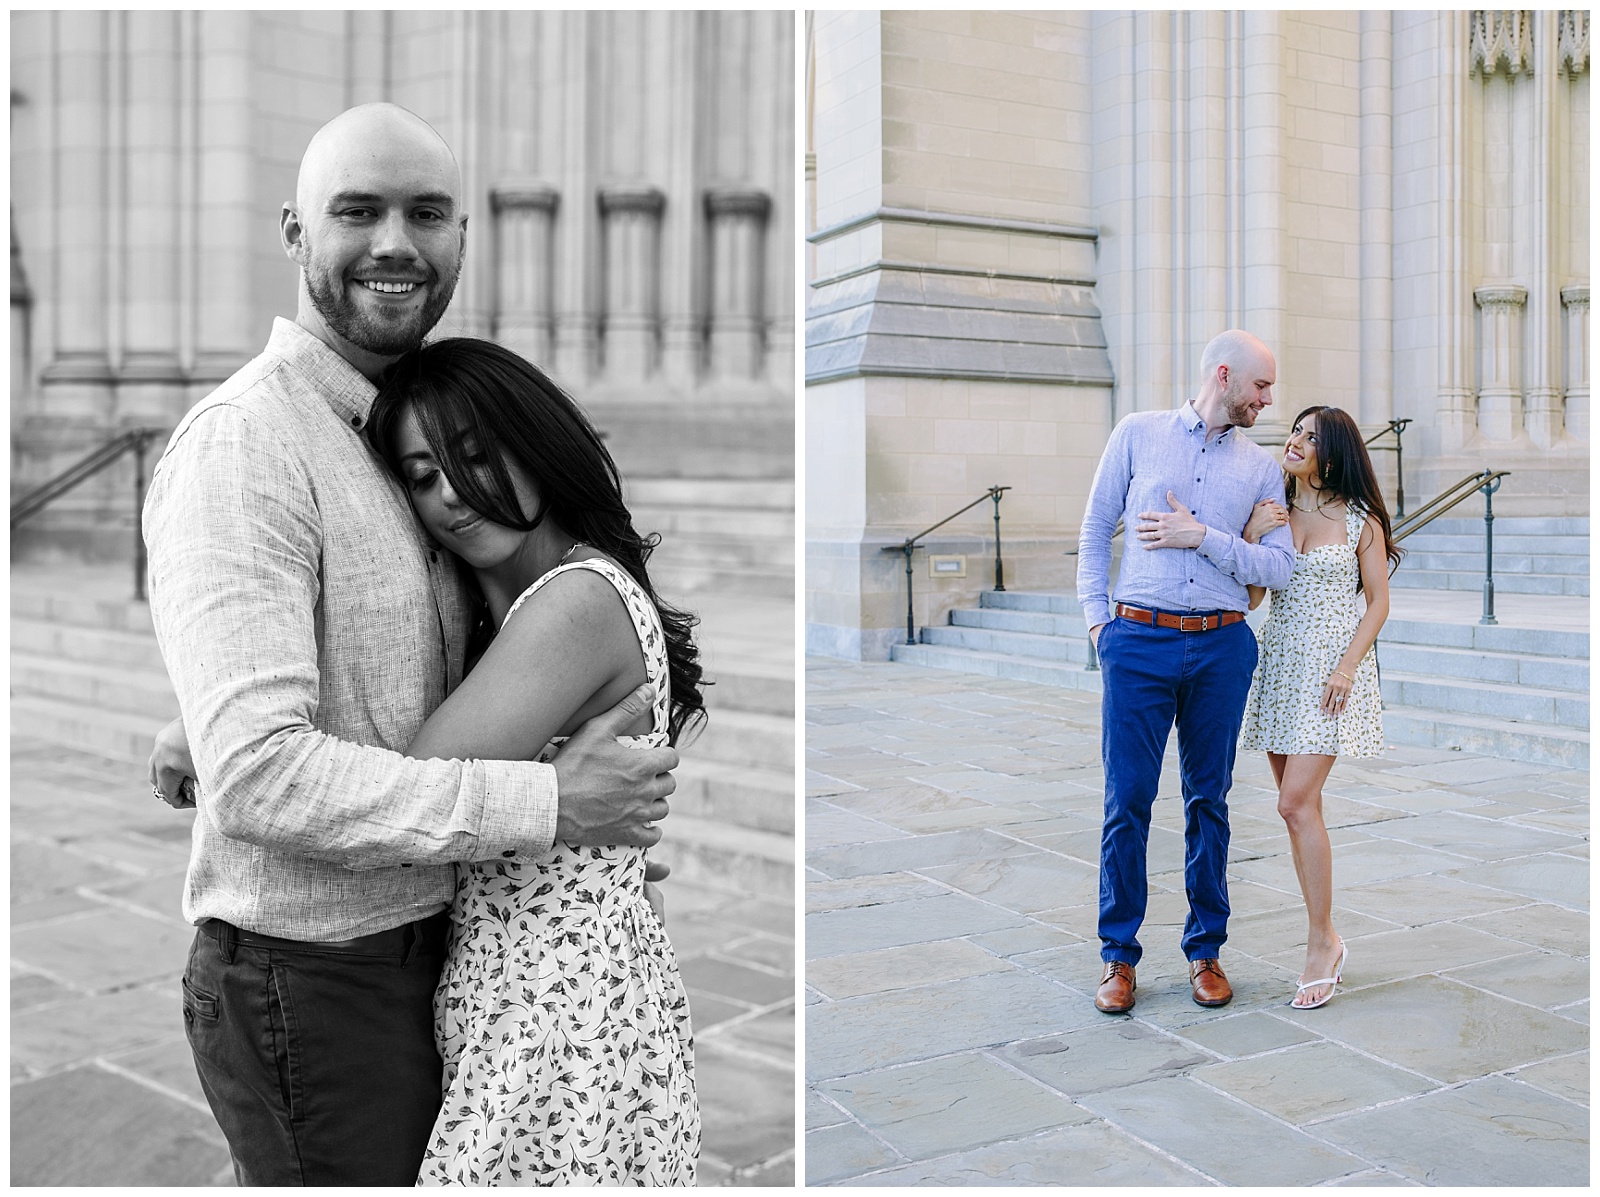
<point x="171" y="766"/>
<point x="1266" y="516"/>
<point x="1337" y="693"/>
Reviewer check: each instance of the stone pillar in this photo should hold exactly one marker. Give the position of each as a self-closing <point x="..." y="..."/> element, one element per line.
<point x="1454" y="331"/>
<point x="1376" y="394"/>
<point x="632" y="273"/>
<point x="1542" y="398"/>
<point x="777" y="309"/>
<point x="224" y="339"/>
<point x="738" y="226"/>
<point x="21" y="302"/>
<point x="150" y="378"/>
<point x="683" y="232"/>
<point x="575" y="324"/>
<point x="1265" y="285"/>
<point x="1500" y="360"/>
<point x="524" y="268"/>
<point x="1575" y="306"/>
<point x="78" y="375"/>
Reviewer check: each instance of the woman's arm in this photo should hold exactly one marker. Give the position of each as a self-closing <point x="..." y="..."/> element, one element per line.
<point x="1264" y="517"/>
<point x="1375" y="585"/>
<point x="576" y="635"/>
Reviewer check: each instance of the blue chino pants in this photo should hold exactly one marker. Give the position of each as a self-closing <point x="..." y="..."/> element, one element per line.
<point x="1154" y="678"/>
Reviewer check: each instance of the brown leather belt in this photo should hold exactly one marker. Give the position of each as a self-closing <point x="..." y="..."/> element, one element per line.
<point x="403" y="941"/>
<point x="1183" y="623"/>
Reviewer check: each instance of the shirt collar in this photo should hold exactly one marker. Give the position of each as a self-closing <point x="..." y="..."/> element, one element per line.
<point x="344" y="388"/>
<point x="1191" y="420"/>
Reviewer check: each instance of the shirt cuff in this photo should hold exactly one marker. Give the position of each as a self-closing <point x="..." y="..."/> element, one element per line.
<point x="1215" y="546"/>
<point x="1097" y="613"/>
<point x="519" y="810"/>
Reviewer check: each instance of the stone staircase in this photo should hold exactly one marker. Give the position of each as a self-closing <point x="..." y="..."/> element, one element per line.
<point x="722" y="535"/>
<point x="1532" y="555"/>
<point x="1519" y="689"/>
<point x="86" y="673"/>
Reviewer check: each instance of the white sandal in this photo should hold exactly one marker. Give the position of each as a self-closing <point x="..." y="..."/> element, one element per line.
<point x="1332" y="982"/>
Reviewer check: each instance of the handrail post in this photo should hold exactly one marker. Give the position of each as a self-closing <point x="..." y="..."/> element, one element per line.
<point x="911" y="635"/>
<point x="138" y="519"/>
<point x="999" y="572"/>
<point x="1399" y="427"/>
<point x="1488" y="489"/>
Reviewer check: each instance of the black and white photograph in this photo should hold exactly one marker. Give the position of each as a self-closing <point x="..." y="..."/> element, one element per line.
<point x="402" y="571"/>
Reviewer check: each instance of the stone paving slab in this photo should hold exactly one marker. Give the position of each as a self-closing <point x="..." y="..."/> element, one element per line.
<point x="956" y="961"/>
<point x="103" y="1089"/>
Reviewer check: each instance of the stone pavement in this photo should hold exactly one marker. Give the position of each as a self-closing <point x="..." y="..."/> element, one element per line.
<point x="953" y="827"/>
<point x="102" y="1087"/>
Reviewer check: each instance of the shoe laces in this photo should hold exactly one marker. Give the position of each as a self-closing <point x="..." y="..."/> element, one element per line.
<point x="1116" y="968"/>
<point x="1205" y="966"/>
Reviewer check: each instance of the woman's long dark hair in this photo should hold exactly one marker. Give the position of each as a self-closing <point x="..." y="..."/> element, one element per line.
<point x="1344" y="470"/>
<point x="470" y="396"/>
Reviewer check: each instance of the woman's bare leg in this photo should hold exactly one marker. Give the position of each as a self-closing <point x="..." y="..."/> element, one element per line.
<point x="1300" y="779"/>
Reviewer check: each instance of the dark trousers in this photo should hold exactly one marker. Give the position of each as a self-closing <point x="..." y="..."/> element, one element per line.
<point x="320" y="1066"/>
<point x="1152" y="678"/>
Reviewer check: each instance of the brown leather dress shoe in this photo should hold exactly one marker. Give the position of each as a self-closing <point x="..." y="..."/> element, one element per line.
<point x="1211" y="986"/>
<point x="1115" y="995"/>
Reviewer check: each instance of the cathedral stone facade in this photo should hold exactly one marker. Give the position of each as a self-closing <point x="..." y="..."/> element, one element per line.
<point x="629" y="179"/>
<point x="1023" y="226"/>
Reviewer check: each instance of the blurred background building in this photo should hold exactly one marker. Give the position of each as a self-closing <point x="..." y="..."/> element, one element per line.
<point x="630" y="181"/>
<point x="1023" y="226"/>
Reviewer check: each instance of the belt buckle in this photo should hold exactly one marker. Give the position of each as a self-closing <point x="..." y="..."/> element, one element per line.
<point x="1198" y="622"/>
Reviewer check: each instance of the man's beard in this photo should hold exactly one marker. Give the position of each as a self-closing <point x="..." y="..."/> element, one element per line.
<point x="387" y="331"/>
<point x="1236" y="405"/>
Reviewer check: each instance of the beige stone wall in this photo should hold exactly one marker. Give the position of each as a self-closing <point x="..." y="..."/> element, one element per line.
<point x="629" y="179"/>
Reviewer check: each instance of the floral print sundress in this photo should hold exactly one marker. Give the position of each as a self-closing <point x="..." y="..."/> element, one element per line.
<point x="1306" y="632"/>
<point x="563" y="1023"/>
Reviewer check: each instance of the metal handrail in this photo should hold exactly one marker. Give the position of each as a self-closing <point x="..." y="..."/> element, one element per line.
<point x="910" y="543"/>
<point x="1487" y="481"/>
<point x="1397" y="427"/>
<point x="134" y="441"/>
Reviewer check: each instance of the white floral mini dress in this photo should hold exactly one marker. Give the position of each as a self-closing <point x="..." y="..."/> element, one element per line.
<point x="563" y="1023"/>
<point x="1307" y="630"/>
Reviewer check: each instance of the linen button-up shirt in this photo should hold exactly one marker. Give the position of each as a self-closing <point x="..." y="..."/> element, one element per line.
<point x="1219" y="480"/>
<point x="309" y="627"/>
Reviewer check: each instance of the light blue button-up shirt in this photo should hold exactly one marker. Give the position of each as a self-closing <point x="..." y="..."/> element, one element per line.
<point x="1220" y="481"/>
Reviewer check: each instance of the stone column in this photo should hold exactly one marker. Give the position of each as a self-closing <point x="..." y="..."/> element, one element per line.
<point x="78" y="375"/>
<point x="683" y="232"/>
<point x="524" y="268"/>
<point x="632" y="272"/>
<point x="1542" y="399"/>
<point x="1575" y="306"/>
<point x="1500" y="360"/>
<point x="738" y="224"/>
<point x="575" y="325"/>
<point x="224" y="339"/>
<point x="1377" y="219"/>
<point x="1265" y="232"/>
<point x="150" y="380"/>
<point x="777" y="309"/>
<point x="1454" y="329"/>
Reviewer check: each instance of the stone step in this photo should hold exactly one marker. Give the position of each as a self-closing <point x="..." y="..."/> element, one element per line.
<point x="995" y="664"/>
<point x="1553" y="673"/>
<point x="716" y="523"/>
<point x="1430" y="541"/>
<point x="119" y="735"/>
<point x="1487" y="638"/>
<point x="1037" y="623"/>
<point x="774" y="493"/>
<point x="1505" y="563"/>
<point x="1046" y="601"/>
<point x="124" y="650"/>
<point x="80" y="609"/>
<point x="750" y="685"/>
<point x="90" y="685"/>
<point x="747" y="738"/>
<point x="683" y="585"/>
<point x="1423" y="579"/>
<point x="1017" y="644"/>
<point x="709" y="550"/>
<point x="1517" y="525"/>
<point x="734" y="795"/>
<point x="1511" y="703"/>
<point x="731" y="859"/>
<point x="1487" y="735"/>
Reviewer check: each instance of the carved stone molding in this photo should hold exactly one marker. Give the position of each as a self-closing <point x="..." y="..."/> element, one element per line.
<point x="738" y="218"/>
<point x="1501" y="295"/>
<point x="524" y="265"/>
<point x="1500" y="407"/>
<point x="632" y="274"/>
<point x="1502" y="36"/>
<point x="1572" y="41"/>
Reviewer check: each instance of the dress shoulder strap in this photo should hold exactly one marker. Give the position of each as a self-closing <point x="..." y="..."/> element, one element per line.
<point x="646" y="625"/>
<point x="1355" y="519"/>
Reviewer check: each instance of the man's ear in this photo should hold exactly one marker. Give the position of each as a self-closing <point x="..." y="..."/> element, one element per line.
<point x="292" y="233"/>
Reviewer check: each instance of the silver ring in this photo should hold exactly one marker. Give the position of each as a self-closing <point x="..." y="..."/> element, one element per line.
<point x="156" y="790"/>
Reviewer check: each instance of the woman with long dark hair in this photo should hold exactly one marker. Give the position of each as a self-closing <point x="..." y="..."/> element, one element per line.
<point x="1314" y="696"/>
<point x="560" y="1014"/>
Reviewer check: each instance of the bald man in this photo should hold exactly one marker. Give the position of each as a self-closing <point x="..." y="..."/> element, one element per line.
<point x="1174" y="647"/>
<point x="309" y="627"/>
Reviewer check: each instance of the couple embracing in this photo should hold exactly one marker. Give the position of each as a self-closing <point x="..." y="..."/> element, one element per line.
<point x="1213" y="524"/>
<point x="429" y="695"/>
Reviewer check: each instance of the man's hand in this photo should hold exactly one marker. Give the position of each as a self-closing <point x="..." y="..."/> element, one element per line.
<point x="609" y="793"/>
<point x="1175" y="529"/>
<point x="655" y="871"/>
<point x="171" y="765"/>
<point x="1094" y="634"/>
<point x="1264" y="517"/>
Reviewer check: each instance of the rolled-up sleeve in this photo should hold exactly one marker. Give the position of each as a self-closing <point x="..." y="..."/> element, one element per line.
<point x="235" y="543"/>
